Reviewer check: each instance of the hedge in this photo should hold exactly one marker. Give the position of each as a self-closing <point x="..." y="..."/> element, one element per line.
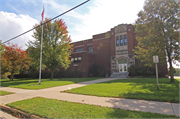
<point x="56" y="74"/>
<point x="140" y="70"/>
<point x="96" y="71"/>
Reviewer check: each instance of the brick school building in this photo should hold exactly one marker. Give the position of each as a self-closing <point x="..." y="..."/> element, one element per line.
<point x="112" y="50"/>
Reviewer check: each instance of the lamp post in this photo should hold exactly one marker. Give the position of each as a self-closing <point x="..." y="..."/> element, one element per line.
<point x="156" y="60"/>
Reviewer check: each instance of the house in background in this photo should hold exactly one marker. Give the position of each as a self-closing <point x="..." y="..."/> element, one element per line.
<point x="112" y="50"/>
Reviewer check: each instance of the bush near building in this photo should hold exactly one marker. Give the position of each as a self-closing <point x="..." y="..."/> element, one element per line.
<point x="140" y="70"/>
<point x="57" y="74"/>
<point x="96" y="71"/>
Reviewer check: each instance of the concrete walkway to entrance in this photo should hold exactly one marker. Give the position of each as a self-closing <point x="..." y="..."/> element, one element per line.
<point x="54" y="93"/>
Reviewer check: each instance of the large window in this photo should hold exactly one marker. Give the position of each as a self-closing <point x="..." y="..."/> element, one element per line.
<point x="121" y="41"/>
<point x="117" y="40"/>
<point x="90" y="49"/>
<point x="125" y="40"/>
<point x="79" y="49"/>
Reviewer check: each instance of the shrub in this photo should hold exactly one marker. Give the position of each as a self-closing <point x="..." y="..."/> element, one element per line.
<point x="96" y="71"/>
<point x="140" y="70"/>
<point x="56" y="74"/>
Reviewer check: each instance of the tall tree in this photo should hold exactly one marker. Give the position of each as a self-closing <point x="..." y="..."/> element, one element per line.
<point x="14" y="59"/>
<point x="34" y="58"/>
<point x="157" y="32"/>
<point x="56" y="44"/>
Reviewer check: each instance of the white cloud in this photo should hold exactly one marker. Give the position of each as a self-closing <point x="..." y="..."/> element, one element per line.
<point x="13" y="25"/>
<point x="104" y="15"/>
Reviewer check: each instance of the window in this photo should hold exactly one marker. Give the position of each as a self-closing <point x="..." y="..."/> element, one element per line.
<point x="120" y="37"/>
<point x="76" y="60"/>
<point x="125" y="40"/>
<point x="121" y="41"/>
<point x="117" y="40"/>
<point x="90" y="49"/>
<point x="79" y="58"/>
<point x="79" y="49"/>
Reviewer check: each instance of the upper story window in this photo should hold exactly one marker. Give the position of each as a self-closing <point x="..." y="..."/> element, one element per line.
<point x="79" y="49"/>
<point x="125" y="40"/>
<point x="121" y="41"/>
<point x="90" y="49"/>
<point x="117" y="40"/>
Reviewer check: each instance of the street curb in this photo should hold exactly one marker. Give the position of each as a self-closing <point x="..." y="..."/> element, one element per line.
<point x="9" y="109"/>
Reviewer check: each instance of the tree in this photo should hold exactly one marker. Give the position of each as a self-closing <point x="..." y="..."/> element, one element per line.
<point x="14" y="59"/>
<point x="3" y="68"/>
<point x="34" y="58"/>
<point x="56" y="45"/>
<point x="157" y="32"/>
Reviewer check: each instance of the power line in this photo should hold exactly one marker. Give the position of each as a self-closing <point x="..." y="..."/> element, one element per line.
<point x="47" y="21"/>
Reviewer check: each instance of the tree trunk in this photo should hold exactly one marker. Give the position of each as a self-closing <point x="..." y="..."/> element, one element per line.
<point x="171" y="69"/>
<point x="170" y="64"/>
<point x="51" y="75"/>
<point x="171" y="72"/>
<point x="12" y="76"/>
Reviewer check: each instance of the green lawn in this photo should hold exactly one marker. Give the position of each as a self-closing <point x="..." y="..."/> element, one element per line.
<point x="4" y="93"/>
<point x="45" y="83"/>
<point x="52" y="108"/>
<point x="134" y="89"/>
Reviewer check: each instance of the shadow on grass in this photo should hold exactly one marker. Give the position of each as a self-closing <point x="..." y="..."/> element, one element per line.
<point x="147" y="89"/>
<point x="139" y="109"/>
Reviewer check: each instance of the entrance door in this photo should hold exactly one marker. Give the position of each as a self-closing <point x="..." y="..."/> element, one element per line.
<point x="122" y="67"/>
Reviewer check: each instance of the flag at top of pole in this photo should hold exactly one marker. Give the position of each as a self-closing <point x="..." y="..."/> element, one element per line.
<point x="42" y="15"/>
<point x="41" y="46"/>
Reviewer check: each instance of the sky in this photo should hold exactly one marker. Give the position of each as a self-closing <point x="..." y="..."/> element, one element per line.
<point x="94" y="17"/>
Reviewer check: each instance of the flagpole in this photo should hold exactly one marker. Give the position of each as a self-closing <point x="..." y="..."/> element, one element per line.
<point x="40" y="56"/>
<point x="41" y="48"/>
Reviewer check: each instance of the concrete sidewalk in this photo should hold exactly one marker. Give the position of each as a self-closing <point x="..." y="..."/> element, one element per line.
<point x="54" y="93"/>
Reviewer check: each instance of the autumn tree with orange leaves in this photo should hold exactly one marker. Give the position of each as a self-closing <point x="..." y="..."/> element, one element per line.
<point x="56" y="45"/>
<point x="14" y="59"/>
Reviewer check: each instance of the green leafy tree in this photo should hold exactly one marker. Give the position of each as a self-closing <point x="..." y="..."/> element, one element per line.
<point x="56" y="45"/>
<point x="35" y="60"/>
<point x="157" y="32"/>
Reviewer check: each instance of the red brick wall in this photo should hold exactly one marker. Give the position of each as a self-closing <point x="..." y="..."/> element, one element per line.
<point x="112" y="38"/>
<point x="101" y="49"/>
<point x="130" y="39"/>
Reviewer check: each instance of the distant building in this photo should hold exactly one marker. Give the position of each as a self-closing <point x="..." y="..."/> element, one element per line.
<point x="111" y="50"/>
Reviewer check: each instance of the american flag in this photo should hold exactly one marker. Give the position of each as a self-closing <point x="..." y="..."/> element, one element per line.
<point x="42" y="15"/>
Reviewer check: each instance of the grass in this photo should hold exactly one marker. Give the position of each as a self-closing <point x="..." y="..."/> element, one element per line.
<point x="45" y="83"/>
<point x="4" y="93"/>
<point x="52" y="108"/>
<point x="134" y="89"/>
